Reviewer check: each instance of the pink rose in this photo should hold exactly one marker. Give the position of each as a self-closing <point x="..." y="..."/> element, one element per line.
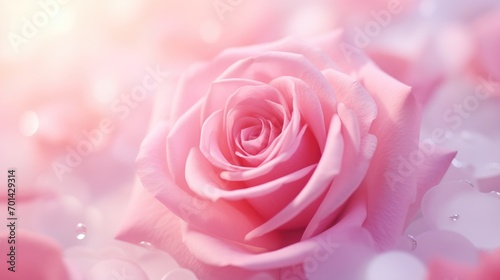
<point x="272" y="153"/>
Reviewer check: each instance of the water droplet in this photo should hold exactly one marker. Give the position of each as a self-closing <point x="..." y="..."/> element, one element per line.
<point x="468" y="182"/>
<point x="210" y="31"/>
<point x="81" y="231"/>
<point x="146" y="245"/>
<point x="495" y="193"/>
<point x="454" y="217"/>
<point x="458" y="164"/>
<point x="413" y="242"/>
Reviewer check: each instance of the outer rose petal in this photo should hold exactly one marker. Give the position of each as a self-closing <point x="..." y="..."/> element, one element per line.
<point x="397" y="129"/>
<point x="206" y="73"/>
<point x="415" y="72"/>
<point x="430" y="172"/>
<point x="230" y="254"/>
<point x="149" y="220"/>
<point x="397" y="126"/>
<point x="37" y="257"/>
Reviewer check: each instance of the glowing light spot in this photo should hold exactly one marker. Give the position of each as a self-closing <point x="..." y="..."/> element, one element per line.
<point x="310" y="20"/>
<point x="63" y="22"/>
<point x="124" y="10"/>
<point x="29" y="123"/>
<point x="104" y="90"/>
<point x="210" y="31"/>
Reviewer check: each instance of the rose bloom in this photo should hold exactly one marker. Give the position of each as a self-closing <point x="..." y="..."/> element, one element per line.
<point x="271" y="155"/>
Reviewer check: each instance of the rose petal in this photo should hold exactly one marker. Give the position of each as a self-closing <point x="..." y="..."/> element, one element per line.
<point x="229" y="254"/>
<point x="149" y="220"/>
<point x="36" y="257"/>
<point x="220" y="91"/>
<point x="307" y="102"/>
<point x="200" y="181"/>
<point x="350" y="92"/>
<point x="328" y="167"/>
<point x="279" y="64"/>
<point x="202" y="214"/>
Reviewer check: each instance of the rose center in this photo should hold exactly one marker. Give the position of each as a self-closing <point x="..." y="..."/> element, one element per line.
<point x="254" y="138"/>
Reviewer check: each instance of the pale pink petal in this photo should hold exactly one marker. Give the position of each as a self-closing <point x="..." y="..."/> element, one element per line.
<point x="342" y="187"/>
<point x="354" y="96"/>
<point x="150" y="221"/>
<point x="220" y="91"/>
<point x="203" y="214"/>
<point x="397" y="128"/>
<point x="420" y="72"/>
<point x="184" y="135"/>
<point x="210" y="71"/>
<point x="271" y="65"/>
<point x="230" y="254"/>
<point x="206" y="184"/>
<point x="307" y="102"/>
<point x="434" y="165"/>
<point x="35" y="257"/>
<point x="267" y="167"/>
<point x="328" y="167"/>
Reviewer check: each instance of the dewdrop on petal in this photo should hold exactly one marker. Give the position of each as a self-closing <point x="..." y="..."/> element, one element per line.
<point x="413" y="242"/>
<point x="454" y="217"/>
<point x="495" y="193"/>
<point x="146" y="245"/>
<point x="81" y="231"/>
